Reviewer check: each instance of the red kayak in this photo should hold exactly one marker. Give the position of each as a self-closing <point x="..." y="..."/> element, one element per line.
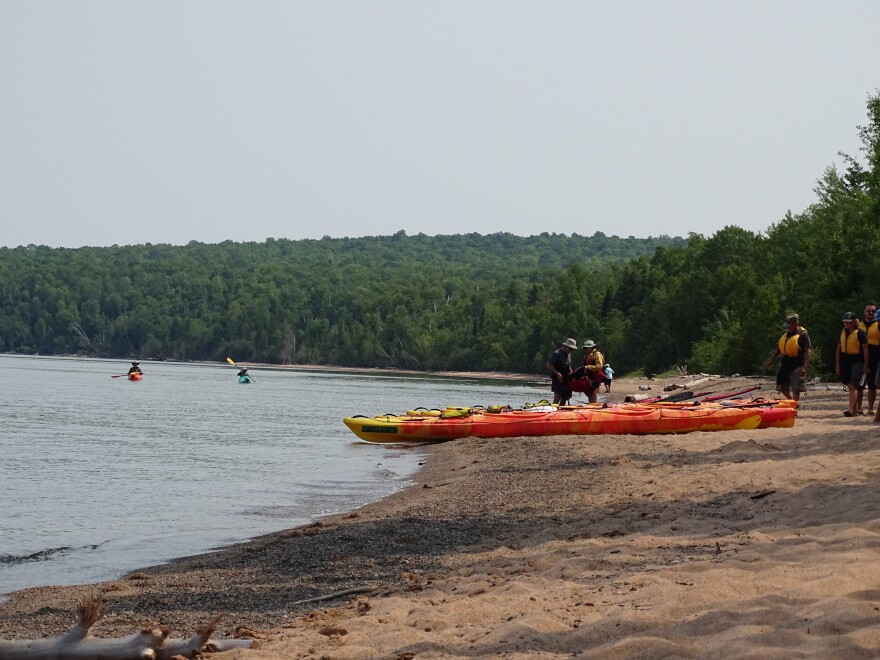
<point x="135" y="376"/>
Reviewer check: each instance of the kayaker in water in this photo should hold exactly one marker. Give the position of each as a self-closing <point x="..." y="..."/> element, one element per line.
<point x="243" y="372"/>
<point x="795" y="348"/>
<point x="135" y="369"/>
<point x="559" y="366"/>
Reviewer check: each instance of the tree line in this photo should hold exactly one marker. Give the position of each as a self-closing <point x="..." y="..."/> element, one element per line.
<point x="465" y="302"/>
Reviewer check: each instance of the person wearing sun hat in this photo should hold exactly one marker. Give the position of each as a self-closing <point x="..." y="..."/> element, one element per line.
<point x="559" y="366"/>
<point x="795" y="348"/>
<point x="135" y="368"/>
<point x="851" y="360"/>
<point x="589" y="377"/>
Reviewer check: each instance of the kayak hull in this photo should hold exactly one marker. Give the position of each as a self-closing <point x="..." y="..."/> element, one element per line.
<point x="245" y="380"/>
<point x="135" y="376"/>
<point x="635" y="419"/>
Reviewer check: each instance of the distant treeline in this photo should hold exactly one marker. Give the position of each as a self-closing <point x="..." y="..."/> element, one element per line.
<point x="464" y="302"/>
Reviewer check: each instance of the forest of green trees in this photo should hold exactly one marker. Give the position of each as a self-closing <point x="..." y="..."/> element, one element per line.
<point x="465" y="302"/>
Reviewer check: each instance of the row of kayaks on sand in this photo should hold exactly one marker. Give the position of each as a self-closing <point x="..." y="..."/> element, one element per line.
<point x="591" y="419"/>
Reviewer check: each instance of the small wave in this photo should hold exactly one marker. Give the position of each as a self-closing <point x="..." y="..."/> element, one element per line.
<point x="46" y="554"/>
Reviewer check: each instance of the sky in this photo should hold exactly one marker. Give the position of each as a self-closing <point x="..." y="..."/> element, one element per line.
<point x="126" y="122"/>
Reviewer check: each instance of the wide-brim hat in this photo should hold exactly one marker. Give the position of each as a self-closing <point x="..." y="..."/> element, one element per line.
<point x="571" y="343"/>
<point x="589" y="344"/>
<point x="135" y="362"/>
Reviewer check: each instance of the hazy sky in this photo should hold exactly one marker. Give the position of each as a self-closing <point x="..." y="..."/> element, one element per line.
<point x="130" y="122"/>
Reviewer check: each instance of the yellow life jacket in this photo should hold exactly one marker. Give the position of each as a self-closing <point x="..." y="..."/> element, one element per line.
<point x="849" y="344"/>
<point x="873" y="332"/>
<point x="789" y="346"/>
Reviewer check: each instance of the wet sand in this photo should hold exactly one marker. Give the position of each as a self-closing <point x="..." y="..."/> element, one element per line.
<point x="762" y="543"/>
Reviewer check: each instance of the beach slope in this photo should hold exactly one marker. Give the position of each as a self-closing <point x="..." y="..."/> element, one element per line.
<point x="732" y="544"/>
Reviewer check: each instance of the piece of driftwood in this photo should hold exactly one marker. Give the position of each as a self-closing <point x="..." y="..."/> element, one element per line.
<point x="336" y="594"/>
<point x="635" y="398"/>
<point x="699" y="381"/>
<point x="145" y="644"/>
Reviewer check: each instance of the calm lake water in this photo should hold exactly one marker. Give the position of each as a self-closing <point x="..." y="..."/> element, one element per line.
<point x="100" y="476"/>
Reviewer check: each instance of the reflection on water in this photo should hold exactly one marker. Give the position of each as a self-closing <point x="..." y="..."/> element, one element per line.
<point x="101" y="475"/>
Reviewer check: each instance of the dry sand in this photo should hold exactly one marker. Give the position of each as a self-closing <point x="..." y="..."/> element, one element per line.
<point x="735" y="544"/>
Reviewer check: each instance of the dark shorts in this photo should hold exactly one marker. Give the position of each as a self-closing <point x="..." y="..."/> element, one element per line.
<point x="851" y="369"/>
<point x="873" y="362"/>
<point x="562" y="389"/>
<point x="789" y="377"/>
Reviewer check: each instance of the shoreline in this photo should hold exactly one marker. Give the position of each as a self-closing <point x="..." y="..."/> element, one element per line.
<point x="379" y="371"/>
<point x="604" y="538"/>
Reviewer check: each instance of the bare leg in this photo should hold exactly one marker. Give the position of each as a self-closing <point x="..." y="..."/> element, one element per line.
<point x="854" y="392"/>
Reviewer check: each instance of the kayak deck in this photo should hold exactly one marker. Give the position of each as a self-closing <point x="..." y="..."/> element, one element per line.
<point x="449" y="424"/>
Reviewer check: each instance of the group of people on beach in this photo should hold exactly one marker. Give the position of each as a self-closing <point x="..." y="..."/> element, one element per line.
<point x="588" y="378"/>
<point x="856" y="359"/>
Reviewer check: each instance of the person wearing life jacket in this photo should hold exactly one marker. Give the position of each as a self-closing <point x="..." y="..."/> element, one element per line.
<point x="795" y="348"/>
<point x="851" y="357"/>
<point x="559" y="366"/>
<point x="135" y="368"/>
<point x="590" y="376"/>
<point x="871" y="326"/>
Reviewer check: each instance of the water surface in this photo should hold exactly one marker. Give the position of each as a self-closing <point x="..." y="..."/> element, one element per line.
<point x="100" y="475"/>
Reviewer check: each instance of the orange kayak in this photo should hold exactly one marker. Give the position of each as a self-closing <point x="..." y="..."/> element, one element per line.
<point x="773" y="412"/>
<point x="135" y="376"/>
<point x="624" y="419"/>
<point x="779" y="413"/>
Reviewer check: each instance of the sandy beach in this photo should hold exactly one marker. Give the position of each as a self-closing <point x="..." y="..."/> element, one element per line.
<point x="734" y="544"/>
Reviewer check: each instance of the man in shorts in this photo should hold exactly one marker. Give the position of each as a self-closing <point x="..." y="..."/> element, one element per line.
<point x="851" y="357"/>
<point x="795" y="348"/>
<point x="559" y="366"/>
<point x="871" y="326"/>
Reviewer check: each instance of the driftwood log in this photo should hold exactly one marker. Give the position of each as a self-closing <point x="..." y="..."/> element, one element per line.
<point x="145" y="644"/>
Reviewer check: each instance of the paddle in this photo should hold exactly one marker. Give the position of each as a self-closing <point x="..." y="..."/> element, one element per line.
<point x="122" y="375"/>
<point x="232" y="362"/>
<point x="730" y="395"/>
<point x="678" y="396"/>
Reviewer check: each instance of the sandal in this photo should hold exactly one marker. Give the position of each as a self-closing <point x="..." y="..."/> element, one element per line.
<point x="847" y="413"/>
<point x="860" y="412"/>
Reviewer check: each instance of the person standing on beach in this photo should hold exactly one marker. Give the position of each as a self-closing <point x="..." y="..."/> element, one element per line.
<point x="872" y="331"/>
<point x="795" y="348"/>
<point x="593" y="370"/>
<point x="609" y="376"/>
<point x="851" y="357"/>
<point x="559" y="366"/>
